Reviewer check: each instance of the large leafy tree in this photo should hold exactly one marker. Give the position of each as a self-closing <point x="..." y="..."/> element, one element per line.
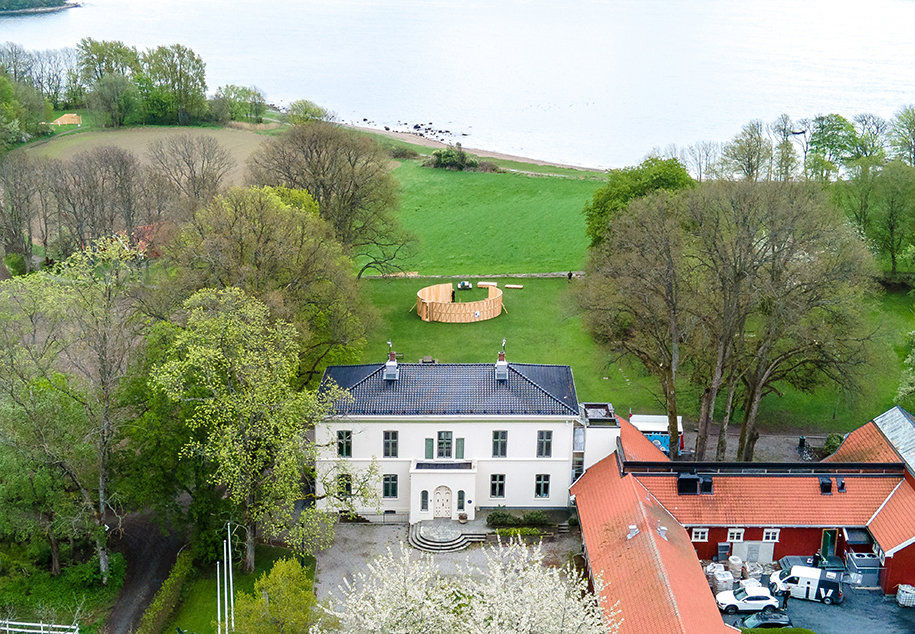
<point x="286" y="256"/>
<point x="748" y="155"/>
<point x="627" y="184"/>
<point x="75" y="332"/>
<point x="237" y="370"/>
<point x="891" y="223"/>
<point x="347" y="175"/>
<point x="97" y="58"/>
<point x="175" y="82"/>
<point x="755" y="284"/>
<point x="638" y="290"/>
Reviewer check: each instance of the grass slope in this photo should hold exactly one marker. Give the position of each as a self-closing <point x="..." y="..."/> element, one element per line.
<point x="485" y="223"/>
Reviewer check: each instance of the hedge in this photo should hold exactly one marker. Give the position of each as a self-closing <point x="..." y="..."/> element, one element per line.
<point x="166" y="600"/>
<point x="517" y="532"/>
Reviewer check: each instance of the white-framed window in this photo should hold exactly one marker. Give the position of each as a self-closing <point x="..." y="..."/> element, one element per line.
<point x="771" y="534"/>
<point x="389" y="486"/>
<point x="735" y="534"/>
<point x="700" y="534"/>
<point x="542" y="485"/>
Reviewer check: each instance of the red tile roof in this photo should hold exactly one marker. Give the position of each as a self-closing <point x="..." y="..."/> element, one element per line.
<point x="636" y="446"/>
<point x="865" y="444"/>
<point x="771" y="500"/>
<point x="894" y="525"/>
<point x="659" y="584"/>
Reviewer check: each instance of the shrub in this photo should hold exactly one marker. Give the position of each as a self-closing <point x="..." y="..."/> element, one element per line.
<point x="401" y="152"/>
<point x="535" y="518"/>
<point x="168" y="596"/>
<point x="518" y="531"/>
<point x="499" y="518"/>
<point x="452" y="158"/>
<point x="15" y="263"/>
<point x="573" y="522"/>
<point x="832" y="443"/>
<point x="488" y="167"/>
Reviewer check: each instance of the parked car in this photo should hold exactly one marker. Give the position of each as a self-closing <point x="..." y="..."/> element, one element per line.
<point x="767" y="620"/>
<point x="746" y="600"/>
<point x="813" y="584"/>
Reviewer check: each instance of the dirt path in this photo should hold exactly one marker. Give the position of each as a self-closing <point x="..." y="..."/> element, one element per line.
<point x="150" y="555"/>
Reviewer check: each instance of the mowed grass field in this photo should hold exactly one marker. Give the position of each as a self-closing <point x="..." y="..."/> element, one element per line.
<point x="488" y="223"/>
<point x="491" y="224"/>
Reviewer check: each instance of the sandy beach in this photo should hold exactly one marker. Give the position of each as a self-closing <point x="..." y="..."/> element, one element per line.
<point x="416" y="139"/>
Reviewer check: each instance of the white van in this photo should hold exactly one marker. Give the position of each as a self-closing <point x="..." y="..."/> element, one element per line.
<point x="813" y="584"/>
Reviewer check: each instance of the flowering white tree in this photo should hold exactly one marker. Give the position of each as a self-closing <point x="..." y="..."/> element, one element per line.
<point x="513" y="592"/>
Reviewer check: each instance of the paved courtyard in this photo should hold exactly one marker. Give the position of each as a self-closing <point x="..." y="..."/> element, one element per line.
<point x="862" y="612"/>
<point x="357" y="544"/>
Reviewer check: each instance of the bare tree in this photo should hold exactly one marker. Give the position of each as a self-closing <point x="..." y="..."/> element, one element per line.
<point x="17" y="205"/>
<point x="347" y="175"/>
<point x="98" y="193"/>
<point x="784" y="159"/>
<point x="16" y="61"/>
<point x="194" y="166"/>
<point x="701" y="156"/>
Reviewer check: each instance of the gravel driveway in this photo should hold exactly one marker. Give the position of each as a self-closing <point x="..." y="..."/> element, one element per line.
<point x="357" y="544"/>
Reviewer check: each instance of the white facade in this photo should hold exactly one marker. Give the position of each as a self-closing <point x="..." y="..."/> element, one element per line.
<point x="447" y="465"/>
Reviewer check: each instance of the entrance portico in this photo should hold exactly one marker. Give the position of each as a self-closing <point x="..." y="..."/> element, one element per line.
<point x="442" y="489"/>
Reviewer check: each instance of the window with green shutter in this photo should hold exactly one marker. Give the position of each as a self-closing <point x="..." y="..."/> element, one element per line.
<point x="430" y="447"/>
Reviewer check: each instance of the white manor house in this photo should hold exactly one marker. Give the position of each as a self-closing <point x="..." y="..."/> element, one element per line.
<point x="450" y="439"/>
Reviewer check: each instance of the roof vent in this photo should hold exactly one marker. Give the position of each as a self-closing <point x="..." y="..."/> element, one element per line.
<point x="840" y="484"/>
<point x="501" y="367"/>
<point x="825" y="485"/>
<point x="391" y="371"/>
<point x="662" y="531"/>
<point x="633" y="531"/>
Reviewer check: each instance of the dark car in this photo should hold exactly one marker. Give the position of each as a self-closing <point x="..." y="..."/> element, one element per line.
<point x="767" y="620"/>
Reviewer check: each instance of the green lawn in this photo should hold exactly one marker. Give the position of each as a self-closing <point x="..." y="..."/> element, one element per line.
<point x="197" y="613"/>
<point x="542" y="325"/>
<point x="484" y="223"/>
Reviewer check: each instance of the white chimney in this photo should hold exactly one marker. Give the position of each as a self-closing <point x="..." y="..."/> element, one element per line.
<point x="501" y="367"/>
<point x="633" y="531"/>
<point x="391" y="371"/>
<point x="662" y="531"/>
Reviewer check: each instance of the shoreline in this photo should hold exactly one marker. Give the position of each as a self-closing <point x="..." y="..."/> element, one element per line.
<point x="416" y="139"/>
<point x="40" y="10"/>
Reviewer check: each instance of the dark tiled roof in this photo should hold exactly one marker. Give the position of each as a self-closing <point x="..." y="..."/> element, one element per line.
<point x="453" y="389"/>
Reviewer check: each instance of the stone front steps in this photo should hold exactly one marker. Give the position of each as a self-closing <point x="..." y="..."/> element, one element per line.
<point x="448" y="544"/>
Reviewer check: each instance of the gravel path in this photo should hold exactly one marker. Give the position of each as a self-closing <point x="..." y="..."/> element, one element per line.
<point x="357" y="544"/>
<point x="150" y="555"/>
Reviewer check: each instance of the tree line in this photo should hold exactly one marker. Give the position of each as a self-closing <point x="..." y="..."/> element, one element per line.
<point x="168" y="358"/>
<point x="121" y="85"/>
<point x="751" y="272"/>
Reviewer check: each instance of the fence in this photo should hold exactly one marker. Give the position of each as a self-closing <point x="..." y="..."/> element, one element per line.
<point x="37" y="628"/>
<point x="433" y="303"/>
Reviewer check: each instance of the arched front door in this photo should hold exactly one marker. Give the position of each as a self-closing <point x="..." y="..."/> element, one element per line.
<point x="442" y="502"/>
